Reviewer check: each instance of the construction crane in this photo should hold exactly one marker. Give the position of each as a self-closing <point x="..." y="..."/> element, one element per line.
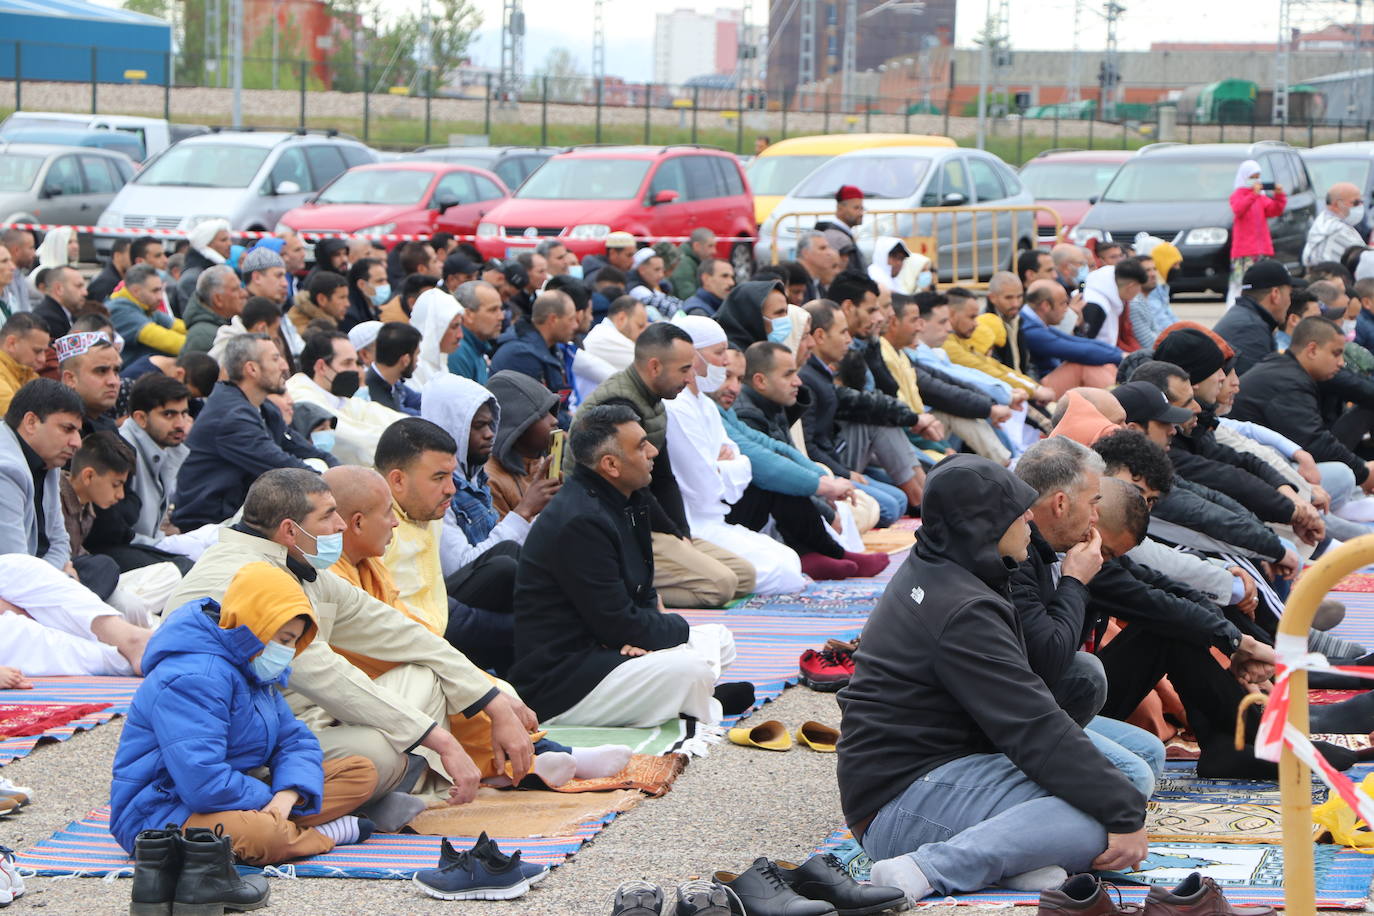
<point x="512" y="53"/>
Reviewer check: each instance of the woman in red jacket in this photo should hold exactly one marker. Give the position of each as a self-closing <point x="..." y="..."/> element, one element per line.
<point x="1253" y="209"/>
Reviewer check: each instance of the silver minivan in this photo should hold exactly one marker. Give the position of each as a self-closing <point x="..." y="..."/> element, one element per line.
<point x="62" y="185"/>
<point x="248" y="177"/>
<point x="906" y="177"/>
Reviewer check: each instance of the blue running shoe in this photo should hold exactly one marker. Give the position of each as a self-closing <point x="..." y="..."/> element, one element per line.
<point x="465" y="876"/>
<point x="486" y="849"/>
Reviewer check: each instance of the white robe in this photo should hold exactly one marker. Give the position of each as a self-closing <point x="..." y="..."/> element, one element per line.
<point x="709" y="486"/>
<point x="606" y="341"/>
<point x="361" y="423"/>
<point x="55" y="638"/>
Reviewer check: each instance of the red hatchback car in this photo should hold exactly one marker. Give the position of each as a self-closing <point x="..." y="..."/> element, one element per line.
<point x="584" y="194"/>
<point x="400" y="198"/>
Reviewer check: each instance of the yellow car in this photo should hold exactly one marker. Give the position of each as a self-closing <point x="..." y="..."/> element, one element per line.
<point x="776" y="170"/>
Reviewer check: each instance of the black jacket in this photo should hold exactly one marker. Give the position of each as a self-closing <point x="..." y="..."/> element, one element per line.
<point x="1279" y="394"/>
<point x="231" y="444"/>
<point x="584" y="588"/>
<point x="1216" y="515"/>
<point x="942" y="673"/>
<point x="1249" y="329"/>
<point x="1250" y="491"/>
<point x="818" y="423"/>
<point x="943" y="392"/>
<point x="741" y="314"/>
<point x="103" y="284"/>
<point x="53" y="317"/>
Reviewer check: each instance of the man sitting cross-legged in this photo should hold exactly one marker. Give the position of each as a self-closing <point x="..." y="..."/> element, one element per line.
<point x="364" y="501"/>
<point x="958" y="768"/>
<point x="290" y="520"/>
<point x="593" y="644"/>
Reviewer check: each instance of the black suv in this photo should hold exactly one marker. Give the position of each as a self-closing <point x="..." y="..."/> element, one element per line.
<point x="1181" y="194"/>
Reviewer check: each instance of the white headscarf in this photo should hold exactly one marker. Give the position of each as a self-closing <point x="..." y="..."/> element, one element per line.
<point x="1245" y="173"/>
<point x="704" y="331"/>
<point x="203" y="234"/>
<point x="53" y="251"/>
<point x="434" y="311"/>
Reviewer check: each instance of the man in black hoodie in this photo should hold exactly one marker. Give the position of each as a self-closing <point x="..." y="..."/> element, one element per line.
<point x="958" y="769"/>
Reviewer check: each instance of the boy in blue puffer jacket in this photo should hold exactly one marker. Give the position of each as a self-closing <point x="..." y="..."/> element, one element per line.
<point x="211" y="742"/>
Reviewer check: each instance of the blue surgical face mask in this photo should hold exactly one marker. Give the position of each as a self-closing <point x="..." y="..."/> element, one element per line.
<point x="328" y="549"/>
<point x="323" y="439"/>
<point x="381" y="294"/>
<point x="923" y="280"/>
<point x="782" y="329"/>
<point x="272" y="661"/>
<point x="1083" y="274"/>
<point x="575" y="271"/>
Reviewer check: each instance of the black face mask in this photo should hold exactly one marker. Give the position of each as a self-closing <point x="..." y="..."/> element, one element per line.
<point x="345" y="384"/>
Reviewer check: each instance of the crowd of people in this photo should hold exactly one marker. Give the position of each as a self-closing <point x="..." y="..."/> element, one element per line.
<point x="410" y="505"/>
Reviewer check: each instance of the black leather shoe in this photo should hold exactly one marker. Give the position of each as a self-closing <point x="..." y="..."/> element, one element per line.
<point x="702" y="898"/>
<point x="824" y="878"/>
<point x="637" y="898"/>
<point x="760" y="890"/>
<point x="209" y="883"/>
<point x="157" y="865"/>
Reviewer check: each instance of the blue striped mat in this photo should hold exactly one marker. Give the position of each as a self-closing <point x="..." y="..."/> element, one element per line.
<point x="117" y="691"/>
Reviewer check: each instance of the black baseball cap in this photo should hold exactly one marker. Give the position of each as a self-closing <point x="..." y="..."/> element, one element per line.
<point x="458" y="263"/>
<point x="515" y="274"/>
<point x="1266" y="275"/>
<point x="1143" y="402"/>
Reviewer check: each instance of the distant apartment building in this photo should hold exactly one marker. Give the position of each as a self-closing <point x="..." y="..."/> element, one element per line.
<point x="689" y="44"/>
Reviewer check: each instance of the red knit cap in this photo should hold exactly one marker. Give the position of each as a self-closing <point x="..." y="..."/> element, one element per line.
<point x="848" y="192"/>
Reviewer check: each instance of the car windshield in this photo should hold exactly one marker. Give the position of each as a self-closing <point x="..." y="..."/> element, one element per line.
<point x="585" y="179"/>
<point x="1067" y="181"/>
<point x="18" y="172"/>
<point x="22" y="122"/>
<point x="879" y="177"/>
<point x="1173" y="179"/>
<point x="778" y="175"/>
<point x="1326" y="172"/>
<point x="205" y="165"/>
<point x="378" y="186"/>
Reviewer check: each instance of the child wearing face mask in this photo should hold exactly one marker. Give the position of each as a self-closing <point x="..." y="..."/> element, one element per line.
<point x="1253" y="207"/>
<point x="210" y="741"/>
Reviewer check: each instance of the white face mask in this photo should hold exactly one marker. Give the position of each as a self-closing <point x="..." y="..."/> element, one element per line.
<point x="1355" y="216"/>
<point x="712" y="380"/>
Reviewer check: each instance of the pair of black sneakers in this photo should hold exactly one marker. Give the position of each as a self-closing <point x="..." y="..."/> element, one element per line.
<point x="191" y="874"/>
<point x="818" y="887"/>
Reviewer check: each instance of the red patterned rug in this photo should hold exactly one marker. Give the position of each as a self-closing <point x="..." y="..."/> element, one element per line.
<point x="18" y="720"/>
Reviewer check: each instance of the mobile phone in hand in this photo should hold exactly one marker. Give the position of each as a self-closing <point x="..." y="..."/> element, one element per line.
<point x="557" y="442"/>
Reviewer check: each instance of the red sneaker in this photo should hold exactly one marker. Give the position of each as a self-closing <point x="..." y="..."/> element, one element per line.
<point x="827" y="670"/>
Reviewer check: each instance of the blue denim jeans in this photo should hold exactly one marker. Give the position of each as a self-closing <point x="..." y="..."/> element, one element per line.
<point x="891" y="501"/>
<point x="1138" y="754"/>
<point x="979" y="819"/>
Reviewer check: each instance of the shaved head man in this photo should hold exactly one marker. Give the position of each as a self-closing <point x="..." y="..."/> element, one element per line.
<point x="1005" y="294"/>
<point x="1334" y="231"/>
<point x="364" y="501"/>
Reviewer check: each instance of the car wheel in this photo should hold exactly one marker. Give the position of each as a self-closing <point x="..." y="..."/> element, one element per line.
<point x="742" y="260"/>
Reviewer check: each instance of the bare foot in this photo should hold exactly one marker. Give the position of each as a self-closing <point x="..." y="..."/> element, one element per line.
<point x="130" y="640"/>
<point x="13" y="679"/>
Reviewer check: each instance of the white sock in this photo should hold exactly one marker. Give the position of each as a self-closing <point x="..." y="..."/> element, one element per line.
<point x="1037" y="879"/>
<point x="555" y="768"/>
<point x="904" y="873"/>
<point x="342" y="830"/>
<point x="601" y="761"/>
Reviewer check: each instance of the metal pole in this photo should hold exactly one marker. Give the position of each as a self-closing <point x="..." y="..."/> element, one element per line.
<point x="984" y="65"/>
<point x="303" y="72"/>
<point x="18" y="75"/>
<point x="648" y="94"/>
<point x="739" y="123"/>
<point x="429" y="99"/>
<point x="696" y="103"/>
<point x="276" y="45"/>
<point x="599" y="87"/>
<point x="1091" y="119"/>
<point x="826" y="130"/>
<point x="95" y="78"/>
<point x="868" y="114"/>
<point x="236" y="62"/>
<point x="486" y="118"/>
<point x="1020" y="138"/>
<point x="785" y="102"/>
<point x="166" y="88"/>
<point x="1123" y="134"/>
<point x="1055" y="143"/>
<point x="906" y="118"/>
<point x="544" y="115"/>
<point x="367" y="100"/>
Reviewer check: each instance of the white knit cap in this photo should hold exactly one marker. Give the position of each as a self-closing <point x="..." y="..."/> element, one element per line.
<point x="703" y="331"/>
<point x="643" y="255"/>
<point x="205" y="232"/>
<point x="364" y="334"/>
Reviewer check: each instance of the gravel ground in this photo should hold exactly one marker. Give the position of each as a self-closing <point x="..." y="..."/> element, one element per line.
<point x="722" y="812"/>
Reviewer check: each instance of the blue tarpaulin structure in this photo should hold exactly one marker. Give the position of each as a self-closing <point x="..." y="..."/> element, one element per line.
<point x="73" y="41"/>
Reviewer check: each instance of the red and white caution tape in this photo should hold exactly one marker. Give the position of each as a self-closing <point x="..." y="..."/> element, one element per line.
<point x="1275" y="732"/>
<point x="317" y="236"/>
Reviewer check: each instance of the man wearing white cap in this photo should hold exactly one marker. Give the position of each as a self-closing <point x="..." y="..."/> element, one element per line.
<point x="620" y="252"/>
<point x="210" y="245"/>
<point x="649" y="267"/>
<point x="363" y="336"/>
<point x="711" y="471"/>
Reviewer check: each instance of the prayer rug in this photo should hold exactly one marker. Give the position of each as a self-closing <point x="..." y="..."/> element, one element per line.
<point x="1356" y="582"/>
<point x="661" y="739"/>
<point x="1194" y="822"/>
<point x="521" y="813"/>
<point x="653" y="776"/>
<point x="116" y="692"/>
<point x="1248" y="873"/>
<point x="1324" y="697"/>
<point x="26" y="720"/>
<point x="85" y="849"/>
<point x="1358" y="624"/>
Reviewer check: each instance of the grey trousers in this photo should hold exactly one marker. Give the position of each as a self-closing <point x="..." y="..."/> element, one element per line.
<point x="886" y="446"/>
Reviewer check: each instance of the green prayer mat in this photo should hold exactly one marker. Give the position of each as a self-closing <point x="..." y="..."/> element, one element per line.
<point x="655" y="741"/>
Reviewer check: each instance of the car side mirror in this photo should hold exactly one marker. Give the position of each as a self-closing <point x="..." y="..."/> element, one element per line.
<point x="953" y="199"/>
<point x="444" y="200"/>
<point x="51" y="190"/>
<point x="665" y="196"/>
<point x="288" y="187"/>
<point x="1092" y="199"/>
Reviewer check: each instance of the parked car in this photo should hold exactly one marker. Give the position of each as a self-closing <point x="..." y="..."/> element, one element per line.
<point x="1337" y="162"/>
<point x="251" y="178"/>
<point x="774" y="172"/>
<point x="401" y="197"/>
<point x="154" y="134"/>
<point x="902" y="178"/>
<point x="512" y="164"/>
<point x="64" y="185"/>
<point x="111" y="140"/>
<point x="582" y="195"/>
<point x="1181" y="194"/>
<point x="1068" y="181"/>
